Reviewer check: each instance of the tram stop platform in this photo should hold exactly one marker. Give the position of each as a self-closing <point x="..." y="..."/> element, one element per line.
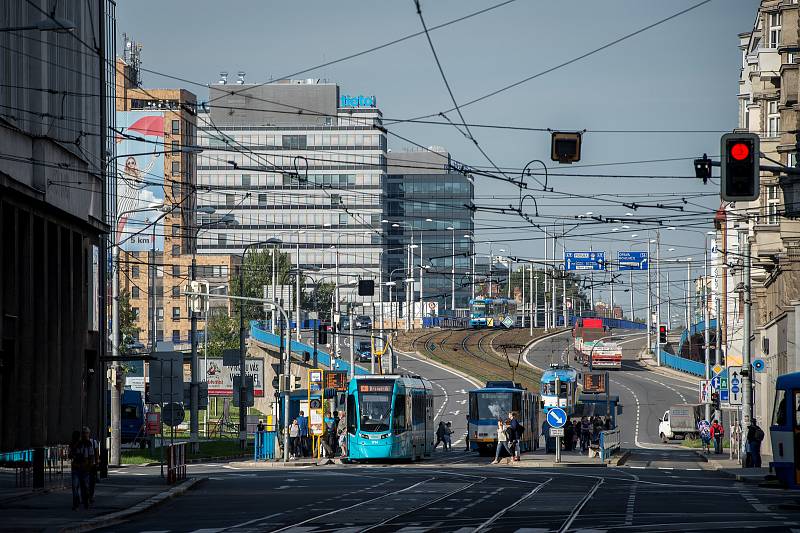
<point x="540" y="459"/>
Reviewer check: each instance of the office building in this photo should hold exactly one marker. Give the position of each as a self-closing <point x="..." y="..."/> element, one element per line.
<point x="426" y="205"/>
<point x="53" y="215"/>
<point x="296" y="160"/>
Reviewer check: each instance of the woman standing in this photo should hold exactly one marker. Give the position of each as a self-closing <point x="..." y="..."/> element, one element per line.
<point x="502" y="442"/>
<point x="294" y="432"/>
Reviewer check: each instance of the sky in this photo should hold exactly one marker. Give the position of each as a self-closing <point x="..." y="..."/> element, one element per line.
<point x="680" y="75"/>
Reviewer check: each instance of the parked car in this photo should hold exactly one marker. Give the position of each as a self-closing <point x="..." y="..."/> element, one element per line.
<point x="363" y="350"/>
<point x="363" y="322"/>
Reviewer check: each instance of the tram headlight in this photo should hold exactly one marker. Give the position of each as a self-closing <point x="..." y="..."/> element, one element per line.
<point x="385" y="436"/>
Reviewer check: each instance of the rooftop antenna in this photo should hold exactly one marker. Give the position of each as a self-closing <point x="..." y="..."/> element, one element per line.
<point x="223" y="78"/>
<point x="240" y="77"/>
<point x="132" y="54"/>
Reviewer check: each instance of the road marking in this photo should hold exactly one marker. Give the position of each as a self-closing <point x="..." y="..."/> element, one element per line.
<point x="578" y="508"/>
<point x="631" y="506"/>
<point x="501" y="512"/>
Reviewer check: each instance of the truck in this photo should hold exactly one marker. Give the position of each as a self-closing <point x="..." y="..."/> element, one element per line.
<point x="680" y="421"/>
<point x="588" y="333"/>
<point x="132" y="416"/>
<point x="604" y="354"/>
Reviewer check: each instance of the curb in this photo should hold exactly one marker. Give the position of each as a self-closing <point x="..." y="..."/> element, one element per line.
<point x="275" y="464"/>
<point x="622" y="459"/>
<point x="120" y="516"/>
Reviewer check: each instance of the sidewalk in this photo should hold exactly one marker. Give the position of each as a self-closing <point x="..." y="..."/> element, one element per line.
<point x="733" y="468"/>
<point x="540" y="459"/>
<point x="116" y="497"/>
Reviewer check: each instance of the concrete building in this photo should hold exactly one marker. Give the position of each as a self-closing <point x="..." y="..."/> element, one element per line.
<point x="53" y="215"/>
<point x="768" y="106"/>
<point x="296" y="160"/>
<point x="424" y="196"/>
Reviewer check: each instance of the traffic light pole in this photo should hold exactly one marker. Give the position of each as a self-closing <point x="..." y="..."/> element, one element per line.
<point x="706" y="341"/>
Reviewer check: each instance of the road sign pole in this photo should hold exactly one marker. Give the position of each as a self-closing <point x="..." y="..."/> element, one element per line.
<point x="747" y="400"/>
<point x="706" y="340"/>
<point x="558" y="449"/>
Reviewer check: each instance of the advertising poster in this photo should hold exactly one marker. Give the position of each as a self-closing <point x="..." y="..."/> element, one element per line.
<point x="220" y="377"/>
<point x="140" y="179"/>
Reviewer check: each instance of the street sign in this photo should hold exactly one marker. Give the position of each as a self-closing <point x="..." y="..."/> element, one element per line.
<point x="166" y="377"/>
<point x="735" y="381"/>
<point x="715" y="383"/>
<point x="584" y="260"/>
<point x="633" y="261"/>
<point x="556" y="417"/>
<point x="508" y="322"/>
<point x="705" y="391"/>
<point x="594" y="382"/>
<point x="724" y="390"/>
<point x="556" y="432"/>
<point x="172" y="414"/>
<point x="759" y="365"/>
<point x="717" y="369"/>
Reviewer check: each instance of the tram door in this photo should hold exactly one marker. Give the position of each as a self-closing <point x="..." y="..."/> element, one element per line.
<point x="796" y="434"/>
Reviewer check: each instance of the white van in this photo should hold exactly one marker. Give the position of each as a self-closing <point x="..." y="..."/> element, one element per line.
<point x="679" y="422"/>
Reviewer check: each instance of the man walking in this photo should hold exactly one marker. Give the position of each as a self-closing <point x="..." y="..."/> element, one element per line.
<point x="755" y="435"/>
<point x="717" y="432"/>
<point x="302" y="422"/>
<point x="515" y="432"/>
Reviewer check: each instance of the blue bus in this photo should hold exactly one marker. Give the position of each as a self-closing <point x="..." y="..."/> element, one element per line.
<point x="492" y="403"/>
<point x="389" y="417"/>
<point x="490" y="312"/>
<point x="566" y="395"/>
<point x="784" y="430"/>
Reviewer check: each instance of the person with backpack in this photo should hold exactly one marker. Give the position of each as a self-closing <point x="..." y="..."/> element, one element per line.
<point x="717" y="432"/>
<point x="755" y="435"/>
<point x="502" y="442"/>
<point x="586" y="434"/>
<point x="82" y="455"/>
<point x="705" y="435"/>
<point x="440" y="433"/>
<point x="515" y="430"/>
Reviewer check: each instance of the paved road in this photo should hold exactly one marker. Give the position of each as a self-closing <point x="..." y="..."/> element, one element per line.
<point x="644" y="395"/>
<point x="445" y="495"/>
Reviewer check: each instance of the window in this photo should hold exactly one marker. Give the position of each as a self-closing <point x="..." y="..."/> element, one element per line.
<point x="343" y="219"/>
<point x="176" y="291"/>
<point x="135" y="272"/>
<point x="176" y="146"/>
<point x="176" y="230"/>
<point x="176" y="127"/>
<point x="230" y="200"/>
<point x="134" y="292"/>
<point x="176" y="167"/>
<point x="176" y="312"/>
<point x="135" y="311"/>
<point x="294" y="142"/>
<point x="176" y="250"/>
<point x="336" y="200"/>
<point x="351" y="414"/>
<point x="246" y="181"/>
<point x="176" y="335"/>
<point x="160" y="335"/>
<point x="779" y="409"/>
<point x="399" y="417"/>
<point x="744" y="113"/>
<point x="774" y="20"/>
<point x="773" y="119"/>
<point x="796" y="409"/>
<point x="262" y="199"/>
<point x="222" y="240"/>
<point x="160" y="313"/>
<point x="771" y="201"/>
<point x="176" y="270"/>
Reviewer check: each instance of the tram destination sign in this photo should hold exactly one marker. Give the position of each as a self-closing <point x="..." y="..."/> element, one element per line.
<point x="594" y="382"/>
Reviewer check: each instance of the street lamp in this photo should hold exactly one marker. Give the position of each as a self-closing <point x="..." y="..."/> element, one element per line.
<point x="452" y="230"/>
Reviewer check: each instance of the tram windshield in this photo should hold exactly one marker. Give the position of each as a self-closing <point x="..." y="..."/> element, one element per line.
<point x="375" y="405"/>
<point x="478" y="309"/>
<point x="550" y="389"/>
<point x="494" y="404"/>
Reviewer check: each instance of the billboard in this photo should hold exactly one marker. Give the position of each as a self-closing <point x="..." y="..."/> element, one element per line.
<point x="220" y="377"/>
<point x="140" y="179"/>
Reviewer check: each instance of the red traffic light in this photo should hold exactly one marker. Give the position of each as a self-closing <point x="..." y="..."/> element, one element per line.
<point x="740" y="151"/>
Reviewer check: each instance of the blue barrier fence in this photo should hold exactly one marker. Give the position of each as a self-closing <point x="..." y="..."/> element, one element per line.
<point x="695" y="368"/>
<point x="264" y="445"/>
<point x="323" y="358"/>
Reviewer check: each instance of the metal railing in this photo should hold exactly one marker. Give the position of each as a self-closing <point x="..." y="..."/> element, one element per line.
<point x="609" y="443"/>
<point x="264" y="445"/>
<point x="176" y="462"/>
<point x="37" y="467"/>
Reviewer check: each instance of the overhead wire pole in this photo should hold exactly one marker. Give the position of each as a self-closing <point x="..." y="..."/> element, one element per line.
<point x="658" y="296"/>
<point x="747" y="385"/>
<point x="649" y="319"/>
<point x="706" y="341"/>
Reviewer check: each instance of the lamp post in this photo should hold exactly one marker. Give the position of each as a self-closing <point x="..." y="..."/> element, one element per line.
<point x="410" y="287"/>
<point x="453" y="272"/>
<point x="273" y="241"/>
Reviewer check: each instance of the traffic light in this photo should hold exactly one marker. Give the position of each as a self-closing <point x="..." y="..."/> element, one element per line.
<point x="297" y="382"/>
<point x="739" y="168"/>
<point x="662" y="334"/>
<point x="565" y="147"/>
<point x="322" y="334"/>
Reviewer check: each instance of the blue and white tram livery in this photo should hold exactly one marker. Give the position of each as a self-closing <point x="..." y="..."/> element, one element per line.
<point x="494" y="402"/>
<point x="389" y="417"/>
<point x="566" y="394"/>
<point x="490" y="312"/>
<point x="784" y="430"/>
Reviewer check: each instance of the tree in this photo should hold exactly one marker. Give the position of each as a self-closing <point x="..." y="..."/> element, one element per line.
<point x="128" y="330"/>
<point x="223" y="334"/>
<point x="320" y="299"/>
<point x="257" y="272"/>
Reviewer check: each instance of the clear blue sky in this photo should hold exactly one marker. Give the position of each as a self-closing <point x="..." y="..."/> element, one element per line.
<point x="682" y="74"/>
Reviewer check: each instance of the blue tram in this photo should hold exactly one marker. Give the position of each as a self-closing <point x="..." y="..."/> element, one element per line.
<point x="566" y="395"/>
<point x="389" y="417"/>
<point x="490" y="312"/>
<point x="494" y="402"/>
<point x="785" y="430"/>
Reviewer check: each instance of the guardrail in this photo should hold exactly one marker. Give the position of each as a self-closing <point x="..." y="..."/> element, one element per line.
<point x="176" y="462"/>
<point x="264" y="445"/>
<point x="37" y="467"/>
<point x="677" y="362"/>
<point x="609" y="443"/>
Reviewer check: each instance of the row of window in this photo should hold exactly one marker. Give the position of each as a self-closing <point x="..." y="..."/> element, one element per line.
<point x="292" y="142"/>
<point x="211" y="160"/>
<point x="248" y="181"/>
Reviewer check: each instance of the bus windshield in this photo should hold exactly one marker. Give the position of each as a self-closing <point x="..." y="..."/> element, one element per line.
<point x="495" y="405"/>
<point x="375" y="405"/>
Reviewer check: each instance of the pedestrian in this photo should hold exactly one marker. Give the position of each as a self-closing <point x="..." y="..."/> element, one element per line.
<point x="261" y="426"/>
<point x="93" y="468"/>
<point x="448" y="436"/>
<point x="569" y="431"/>
<point x="302" y="421"/>
<point x="705" y="436"/>
<point x="576" y="437"/>
<point x="607" y="423"/>
<point x="440" y="433"/>
<point x="333" y="433"/>
<point x="549" y="442"/>
<point x="717" y="432"/>
<point x="466" y="438"/>
<point x="755" y="436"/>
<point x="82" y="455"/>
<point x="586" y="434"/>
<point x="502" y="442"/>
<point x="515" y="431"/>
<point x="294" y="434"/>
<point x="342" y="429"/>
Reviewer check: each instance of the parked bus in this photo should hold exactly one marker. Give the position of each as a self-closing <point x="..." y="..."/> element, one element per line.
<point x="784" y="430"/>
<point x="492" y="403"/>
<point x="389" y="417"/>
<point x="491" y="312"/>
<point x="566" y="395"/>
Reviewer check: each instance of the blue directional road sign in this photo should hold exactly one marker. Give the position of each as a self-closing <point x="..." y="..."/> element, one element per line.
<point x="556" y="417"/>
<point x="715" y="383"/>
<point x="584" y="260"/>
<point x="633" y="261"/>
